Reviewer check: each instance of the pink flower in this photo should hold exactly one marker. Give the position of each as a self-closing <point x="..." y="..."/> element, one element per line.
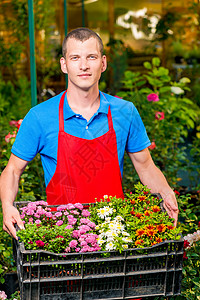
<point x="74" y="212"/>
<point x="59" y="223"/>
<point x="77" y="249"/>
<point x="159" y="115"/>
<point x="3" y="295"/>
<point x="152" y="146"/>
<point x="153" y="97"/>
<point x="78" y="205"/>
<point x="37" y="221"/>
<point x="67" y="249"/>
<point x="60" y="236"/>
<point x="9" y="136"/>
<point x="48" y="214"/>
<point x="84" y="228"/>
<point x="40" y="243"/>
<point x="73" y="244"/>
<point x="69" y="227"/>
<point x="85" y="213"/>
<point x="58" y="214"/>
<point x="75" y="234"/>
<point x="70" y="206"/>
<point x="61" y="207"/>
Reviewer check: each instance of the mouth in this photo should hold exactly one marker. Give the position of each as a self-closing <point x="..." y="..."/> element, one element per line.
<point x="85" y="75"/>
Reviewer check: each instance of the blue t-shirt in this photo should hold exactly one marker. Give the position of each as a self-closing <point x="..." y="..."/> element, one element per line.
<point x="38" y="132"/>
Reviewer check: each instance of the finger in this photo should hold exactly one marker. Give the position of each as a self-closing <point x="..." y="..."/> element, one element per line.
<point x="10" y="229"/>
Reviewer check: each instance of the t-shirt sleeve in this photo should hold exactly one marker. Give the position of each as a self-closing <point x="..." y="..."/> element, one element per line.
<point x="28" y="141"/>
<point x="137" y="136"/>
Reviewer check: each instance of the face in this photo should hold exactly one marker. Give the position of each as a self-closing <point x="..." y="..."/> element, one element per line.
<point x="83" y="63"/>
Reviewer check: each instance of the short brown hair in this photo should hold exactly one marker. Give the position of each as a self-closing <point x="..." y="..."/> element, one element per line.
<point x="81" y="34"/>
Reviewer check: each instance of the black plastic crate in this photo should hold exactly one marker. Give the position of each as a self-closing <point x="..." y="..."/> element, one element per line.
<point x="133" y="273"/>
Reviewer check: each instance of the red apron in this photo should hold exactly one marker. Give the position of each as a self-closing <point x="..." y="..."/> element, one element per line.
<point x="86" y="169"/>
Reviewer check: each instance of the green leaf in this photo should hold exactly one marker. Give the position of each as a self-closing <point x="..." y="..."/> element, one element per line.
<point x="156" y="61"/>
<point x="147" y="65"/>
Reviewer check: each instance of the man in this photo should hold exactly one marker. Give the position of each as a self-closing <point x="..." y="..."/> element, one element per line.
<point x="81" y="136"/>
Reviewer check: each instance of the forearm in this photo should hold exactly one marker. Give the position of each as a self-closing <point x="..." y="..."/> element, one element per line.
<point x="154" y="179"/>
<point x="9" y="182"/>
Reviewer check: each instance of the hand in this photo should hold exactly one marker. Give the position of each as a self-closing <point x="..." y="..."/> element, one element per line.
<point x="171" y="206"/>
<point x="11" y="217"/>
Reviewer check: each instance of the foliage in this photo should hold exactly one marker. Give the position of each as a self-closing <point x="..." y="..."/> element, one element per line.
<point x="134" y="222"/>
<point x="6" y="253"/>
<point x="17" y="54"/>
<point x="15" y="296"/>
<point x="69" y="229"/>
<point x="167" y="113"/>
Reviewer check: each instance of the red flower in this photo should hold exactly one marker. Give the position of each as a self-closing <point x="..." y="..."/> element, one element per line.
<point x="176" y="192"/>
<point x="147" y="214"/>
<point x="140" y="232"/>
<point x="138" y="215"/>
<point x="40" y="243"/>
<point x="159" y="240"/>
<point x="186" y="244"/>
<point x="185" y="255"/>
<point x="145" y="193"/>
<point x="152" y="146"/>
<point x="132" y="201"/>
<point x="170" y="227"/>
<point x="141" y="198"/>
<point x="132" y="211"/>
<point x="199" y="224"/>
<point x="153" y="97"/>
<point x="159" y="115"/>
<point x="155" y="208"/>
<point x="161" y="227"/>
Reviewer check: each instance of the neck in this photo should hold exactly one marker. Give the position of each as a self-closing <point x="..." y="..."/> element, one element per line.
<point x="85" y="103"/>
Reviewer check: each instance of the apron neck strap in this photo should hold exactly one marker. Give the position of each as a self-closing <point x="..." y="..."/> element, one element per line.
<point x="61" y="118"/>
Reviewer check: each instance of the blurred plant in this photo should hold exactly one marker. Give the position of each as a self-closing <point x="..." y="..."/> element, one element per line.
<point x="167" y="114"/>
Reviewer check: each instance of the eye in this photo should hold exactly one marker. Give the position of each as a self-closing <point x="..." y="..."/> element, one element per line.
<point x="92" y="56"/>
<point x="74" y="58"/>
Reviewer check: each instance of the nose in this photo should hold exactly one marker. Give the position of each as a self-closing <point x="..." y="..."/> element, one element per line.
<point x="84" y="64"/>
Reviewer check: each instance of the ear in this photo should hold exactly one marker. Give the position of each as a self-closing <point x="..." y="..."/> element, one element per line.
<point x="104" y="64"/>
<point x="63" y="65"/>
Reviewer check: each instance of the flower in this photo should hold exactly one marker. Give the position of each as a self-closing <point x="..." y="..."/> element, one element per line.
<point x="159" y="115"/>
<point x="59" y="223"/>
<point x="152" y="146"/>
<point x="73" y="244"/>
<point x="177" y="90"/>
<point x="9" y="136"/>
<point x="40" y="243"/>
<point x="3" y="295"/>
<point x="153" y="97"/>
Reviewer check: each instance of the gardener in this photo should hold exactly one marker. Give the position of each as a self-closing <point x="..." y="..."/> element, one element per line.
<point x="82" y="135"/>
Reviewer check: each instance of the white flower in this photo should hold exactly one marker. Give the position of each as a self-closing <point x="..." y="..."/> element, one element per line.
<point x="192" y="238"/>
<point x="105" y="197"/>
<point x="104" y="211"/>
<point x="177" y="90"/>
<point x="124" y="233"/>
<point x="127" y="240"/>
<point x="119" y="218"/>
<point x="100" y="241"/>
<point x="110" y="246"/>
<point x="125" y="246"/>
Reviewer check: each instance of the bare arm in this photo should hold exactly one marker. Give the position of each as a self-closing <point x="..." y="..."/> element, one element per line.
<point x="154" y="179"/>
<point x="9" y="183"/>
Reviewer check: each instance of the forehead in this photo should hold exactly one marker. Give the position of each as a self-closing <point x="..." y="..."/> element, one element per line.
<point x="88" y="45"/>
